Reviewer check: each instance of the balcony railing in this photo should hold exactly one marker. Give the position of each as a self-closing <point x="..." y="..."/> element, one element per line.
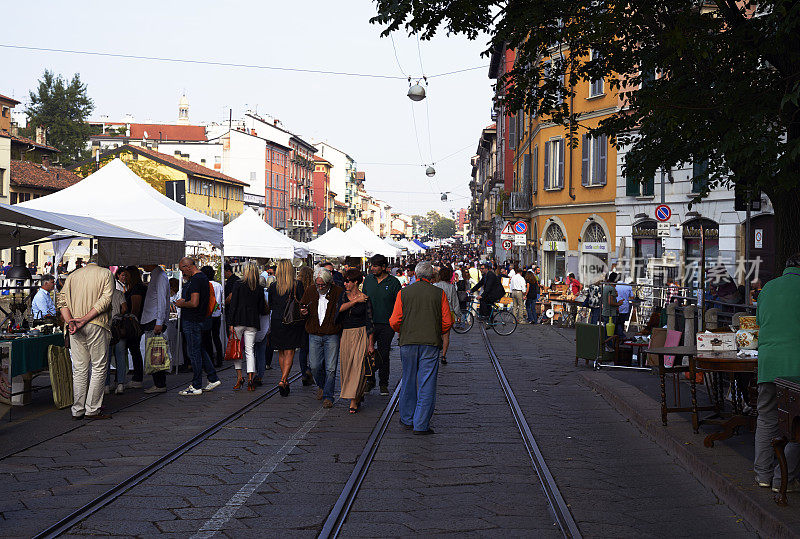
<point x="520" y="201"/>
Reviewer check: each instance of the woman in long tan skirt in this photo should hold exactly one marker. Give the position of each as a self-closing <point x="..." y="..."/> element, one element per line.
<point x="355" y="315"/>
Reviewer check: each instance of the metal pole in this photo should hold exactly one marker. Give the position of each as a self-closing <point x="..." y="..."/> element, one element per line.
<point x="702" y="283"/>
<point x="747" y="251"/>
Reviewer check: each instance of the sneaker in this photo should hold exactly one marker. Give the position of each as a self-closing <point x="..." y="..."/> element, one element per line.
<point x="384" y="391"/>
<point x="191" y="391"/>
<point x="211" y="386"/>
<point x="156" y="389"/>
<point x="327" y="403"/>
<point x="763" y="484"/>
<point x="134" y="384"/>
<point x="120" y="389"/>
<point x="792" y="486"/>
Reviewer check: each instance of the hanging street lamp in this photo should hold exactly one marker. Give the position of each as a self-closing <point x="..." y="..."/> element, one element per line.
<point x="430" y="171"/>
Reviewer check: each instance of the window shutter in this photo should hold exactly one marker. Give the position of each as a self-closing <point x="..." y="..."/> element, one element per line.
<point x="649" y="187"/>
<point x="547" y="145"/>
<point x="631" y="186"/>
<point x="585" y="181"/>
<point x="698" y="169"/>
<point x="512" y="132"/>
<point x="561" y="163"/>
<point x="535" y="172"/>
<point x="603" y="143"/>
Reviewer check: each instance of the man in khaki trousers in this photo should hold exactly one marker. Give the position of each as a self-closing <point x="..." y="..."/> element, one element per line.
<point x="85" y="303"/>
<point x="518" y="286"/>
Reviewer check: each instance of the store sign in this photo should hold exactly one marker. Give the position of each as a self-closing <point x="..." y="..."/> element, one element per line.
<point x="554" y="246"/>
<point x="595" y="247"/>
<point x="520" y="239"/>
<point x="644" y="231"/>
<point x="694" y="232"/>
<point x="759" y="239"/>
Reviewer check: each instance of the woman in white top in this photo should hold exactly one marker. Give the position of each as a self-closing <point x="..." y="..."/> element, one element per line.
<point x="445" y="275"/>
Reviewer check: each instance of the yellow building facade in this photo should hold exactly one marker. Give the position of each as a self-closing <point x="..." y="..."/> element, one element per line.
<point x="200" y="188"/>
<point x="566" y="192"/>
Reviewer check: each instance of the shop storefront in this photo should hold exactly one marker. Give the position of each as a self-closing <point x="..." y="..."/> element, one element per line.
<point x="594" y="254"/>
<point x="554" y="247"/>
<point x="646" y="246"/>
<point x="691" y="240"/>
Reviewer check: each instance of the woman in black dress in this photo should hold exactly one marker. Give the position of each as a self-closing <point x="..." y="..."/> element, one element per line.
<point x="134" y="297"/>
<point x="284" y="338"/>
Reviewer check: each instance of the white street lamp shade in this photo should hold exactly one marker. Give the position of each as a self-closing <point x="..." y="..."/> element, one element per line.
<point x="430" y="172"/>
<point x="416" y="93"/>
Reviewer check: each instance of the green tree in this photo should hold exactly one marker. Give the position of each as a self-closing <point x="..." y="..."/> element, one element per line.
<point x="62" y="108"/>
<point x="444" y="228"/>
<point x="699" y="81"/>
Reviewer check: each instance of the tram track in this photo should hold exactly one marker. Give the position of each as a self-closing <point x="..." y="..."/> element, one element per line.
<point x="556" y="504"/>
<point x="82" y="513"/>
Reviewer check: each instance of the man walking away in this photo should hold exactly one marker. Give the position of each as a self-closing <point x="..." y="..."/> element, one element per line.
<point x="155" y="315"/>
<point x="421" y="315"/>
<point x="778" y="344"/>
<point x="193" y="306"/>
<point x="321" y="305"/>
<point x="492" y="290"/>
<point x="382" y="289"/>
<point x="518" y="287"/>
<point x="85" y="302"/>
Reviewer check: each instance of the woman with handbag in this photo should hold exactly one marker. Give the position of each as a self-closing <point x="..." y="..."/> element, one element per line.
<point x="134" y="297"/>
<point x="444" y="277"/>
<point x="286" y="328"/>
<point x="247" y="306"/>
<point x="355" y="316"/>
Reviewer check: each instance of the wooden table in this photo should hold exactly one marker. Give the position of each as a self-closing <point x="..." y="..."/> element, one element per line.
<point x="679" y="351"/>
<point x="716" y="364"/>
<point x="788" y="421"/>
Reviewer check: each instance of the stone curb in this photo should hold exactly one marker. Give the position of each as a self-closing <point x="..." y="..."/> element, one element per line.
<point x="641" y="409"/>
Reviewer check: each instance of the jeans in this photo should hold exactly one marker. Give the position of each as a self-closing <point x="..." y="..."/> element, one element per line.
<point x="767" y="429"/>
<point x="323" y="357"/>
<point x="120" y="351"/>
<point x="248" y="337"/>
<point x="418" y="394"/>
<point x="530" y="309"/>
<point x="302" y="355"/>
<point x="260" y="350"/>
<point x="193" y="330"/>
<point x="383" y="334"/>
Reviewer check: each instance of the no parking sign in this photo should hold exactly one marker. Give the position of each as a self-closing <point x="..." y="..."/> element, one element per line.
<point x="663" y="212"/>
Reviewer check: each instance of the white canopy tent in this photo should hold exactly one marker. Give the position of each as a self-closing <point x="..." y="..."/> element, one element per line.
<point x="249" y="236"/>
<point x="412" y="247"/>
<point x="372" y="244"/>
<point x="334" y="243"/>
<point x="391" y="243"/>
<point x="116" y="245"/>
<point x="114" y="194"/>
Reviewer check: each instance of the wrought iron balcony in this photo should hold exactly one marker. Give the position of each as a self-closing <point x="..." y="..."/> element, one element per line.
<point x="520" y="201"/>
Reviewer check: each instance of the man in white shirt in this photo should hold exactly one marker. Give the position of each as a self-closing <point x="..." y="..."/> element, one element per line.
<point x="155" y="314"/>
<point x="42" y="304"/>
<point x="518" y="286"/>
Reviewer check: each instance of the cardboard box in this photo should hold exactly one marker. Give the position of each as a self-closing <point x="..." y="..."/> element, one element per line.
<point x="716" y="342"/>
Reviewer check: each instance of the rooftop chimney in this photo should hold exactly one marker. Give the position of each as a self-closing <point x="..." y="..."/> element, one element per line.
<point x="41" y="135"/>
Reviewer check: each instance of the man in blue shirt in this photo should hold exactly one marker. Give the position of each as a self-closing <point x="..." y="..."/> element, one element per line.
<point x="624" y="294"/>
<point x="42" y="305"/>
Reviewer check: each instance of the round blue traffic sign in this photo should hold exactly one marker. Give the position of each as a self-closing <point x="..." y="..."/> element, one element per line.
<point x="663" y="212"/>
<point x="520" y="227"/>
<point x="489" y="243"/>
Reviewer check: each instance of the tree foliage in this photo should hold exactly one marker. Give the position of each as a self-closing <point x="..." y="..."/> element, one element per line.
<point x="62" y="108"/>
<point x="715" y="81"/>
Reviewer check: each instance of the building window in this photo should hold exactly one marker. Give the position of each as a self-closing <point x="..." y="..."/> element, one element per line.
<point x="594" y="162"/>
<point x="13" y="198"/>
<point x="554" y="164"/>
<point x="699" y="175"/>
<point x="595" y="86"/>
<point x="634" y="187"/>
<point x="535" y="167"/>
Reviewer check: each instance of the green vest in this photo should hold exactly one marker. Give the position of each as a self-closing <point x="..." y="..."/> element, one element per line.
<point x="422" y="314"/>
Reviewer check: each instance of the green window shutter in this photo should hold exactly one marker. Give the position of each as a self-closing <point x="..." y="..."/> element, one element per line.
<point x="699" y="168"/>
<point x="631" y="186"/>
<point x="649" y="187"/>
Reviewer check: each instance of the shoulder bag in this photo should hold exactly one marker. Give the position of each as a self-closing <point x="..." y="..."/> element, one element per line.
<point x="291" y="313"/>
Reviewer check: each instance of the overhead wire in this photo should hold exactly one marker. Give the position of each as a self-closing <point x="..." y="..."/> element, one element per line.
<point x="223" y="64"/>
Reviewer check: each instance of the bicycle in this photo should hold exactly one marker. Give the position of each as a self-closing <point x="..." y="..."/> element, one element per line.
<point x="501" y="321"/>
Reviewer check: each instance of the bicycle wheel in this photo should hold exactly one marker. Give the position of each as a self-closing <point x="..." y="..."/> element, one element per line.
<point x="504" y="323"/>
<point x="463" y="323"/>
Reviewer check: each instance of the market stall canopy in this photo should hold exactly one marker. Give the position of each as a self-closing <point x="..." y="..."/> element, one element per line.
<point x="391" y="243"/>
<point x="334" y="243"/>
<point x="372" y="244"/>
<point x="250" y="236"/>
<point x="116" y="245"/>
<point x="411" y="246"/>
<point x="422" y="245"/>
<point x="116" y="195"/>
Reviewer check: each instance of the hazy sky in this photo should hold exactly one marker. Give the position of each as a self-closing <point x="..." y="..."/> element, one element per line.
<point x="368" y="118"/>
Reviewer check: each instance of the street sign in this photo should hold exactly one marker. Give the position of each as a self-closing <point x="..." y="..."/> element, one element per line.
<point x="520" y="239"/>
<point x="759" y="239"/>
<point x="507" y="245"/>
<point x="663" y="230"/>
<point x="663" y="212"/>
<point x="489" y="243"/>
<point x="520" y="227"/>
<point x="507" y="232"/>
